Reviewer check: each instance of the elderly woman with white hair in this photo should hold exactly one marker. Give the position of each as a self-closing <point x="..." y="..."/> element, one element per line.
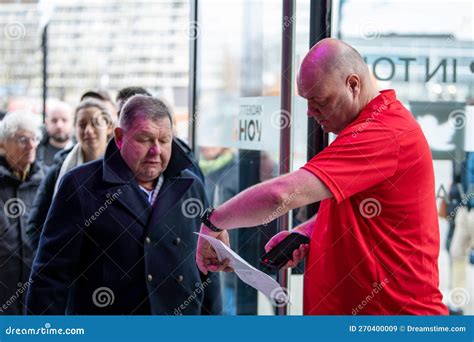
<point x="20" y="176"/>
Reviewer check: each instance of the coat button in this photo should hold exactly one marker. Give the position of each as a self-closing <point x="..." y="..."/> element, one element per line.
<point x="180" y="278"/>
<point x="150" y="277"/>
<point x="147" y="240"/>
<point x="177" y="241"/>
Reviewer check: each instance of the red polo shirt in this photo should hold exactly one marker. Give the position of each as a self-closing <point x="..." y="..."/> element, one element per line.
<point x="375" y="246"/>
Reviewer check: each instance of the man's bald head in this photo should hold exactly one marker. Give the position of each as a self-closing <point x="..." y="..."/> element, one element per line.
<point x="336" y="82"/>
<point x="330" y="60"/>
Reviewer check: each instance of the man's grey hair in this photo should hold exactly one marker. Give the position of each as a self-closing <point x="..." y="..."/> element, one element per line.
<point x="20" y="120"/>
<point x="143" y="106"/>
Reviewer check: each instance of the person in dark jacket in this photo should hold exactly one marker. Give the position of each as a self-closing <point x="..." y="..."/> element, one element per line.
<point x="119" y="237"/>
<point x="93" y="126"/>
<point x="20" y="176"/>
<point x="42" y="201"/>
<point x="59" y="131"/>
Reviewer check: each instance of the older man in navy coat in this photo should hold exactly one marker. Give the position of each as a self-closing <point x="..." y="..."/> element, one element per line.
<point x="119" y="237"/>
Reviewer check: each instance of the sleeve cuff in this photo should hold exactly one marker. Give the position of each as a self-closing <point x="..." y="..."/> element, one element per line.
<point x="327" y="181"/>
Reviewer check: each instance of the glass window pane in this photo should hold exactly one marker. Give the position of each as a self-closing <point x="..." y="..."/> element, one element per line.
<point x="237" y="131"/>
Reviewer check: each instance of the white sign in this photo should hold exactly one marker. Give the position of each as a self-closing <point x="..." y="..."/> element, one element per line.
<point x="251" y="123"/>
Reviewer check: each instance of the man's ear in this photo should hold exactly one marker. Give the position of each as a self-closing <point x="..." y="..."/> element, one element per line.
<point x="353" y="82"/>
<point x="118" y="133"/>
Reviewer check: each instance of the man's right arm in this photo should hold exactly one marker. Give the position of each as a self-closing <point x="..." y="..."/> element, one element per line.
<point x="54" y="268"/>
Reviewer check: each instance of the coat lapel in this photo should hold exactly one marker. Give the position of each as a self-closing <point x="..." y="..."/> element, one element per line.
<point x="117" y="172"/>
<point x="170" y="194"/>
<point x="174" y="186"/>
<point x="132" y="199"/>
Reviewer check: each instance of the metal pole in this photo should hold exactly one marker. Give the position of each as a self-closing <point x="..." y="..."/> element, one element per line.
<point x="44" y="48"/>
<point x="287" y="52"/>
<point x="193" y="55"/>
<point x="248" y="243"/>
<point x="320" y="28"/>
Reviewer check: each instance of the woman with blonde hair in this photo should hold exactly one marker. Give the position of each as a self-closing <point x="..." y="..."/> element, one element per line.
<point x="93" y="126"/>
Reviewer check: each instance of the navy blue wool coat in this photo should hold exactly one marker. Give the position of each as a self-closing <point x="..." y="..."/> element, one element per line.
<point x="105" y="250"/>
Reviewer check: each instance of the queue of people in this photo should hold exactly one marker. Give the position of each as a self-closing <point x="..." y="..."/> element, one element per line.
<point x="95" y="218"/>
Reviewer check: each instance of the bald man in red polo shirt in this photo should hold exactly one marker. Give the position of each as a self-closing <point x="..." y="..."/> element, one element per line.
<point x="375" y="240"/>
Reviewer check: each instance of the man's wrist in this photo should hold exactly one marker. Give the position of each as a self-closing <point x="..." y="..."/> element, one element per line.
<point x="206" y="230"/>
<point x="303" y="230"/>
<point x="207" y="218"/>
